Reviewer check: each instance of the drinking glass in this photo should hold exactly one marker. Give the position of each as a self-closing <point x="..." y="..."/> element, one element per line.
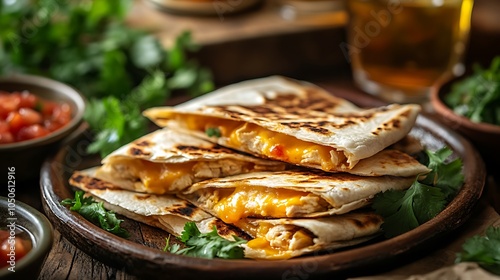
<point x="399" y="49"/>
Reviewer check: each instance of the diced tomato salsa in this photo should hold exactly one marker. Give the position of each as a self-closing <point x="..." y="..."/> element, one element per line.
<point x="25" y="116"/>
<point x="13" y="246"/>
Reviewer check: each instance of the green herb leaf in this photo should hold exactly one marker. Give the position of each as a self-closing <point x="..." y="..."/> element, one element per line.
<point x="95" y="213"/>
<point x="445" y="175"/>
<point x="88" y="45"/>
<point x="213" y="132"/>
<point x="206" y="245"/>
<point x="477" y="97"/>
<point x="117" y="123"/>
<point x="404" y="210"/>
<point x="484" y="250"/>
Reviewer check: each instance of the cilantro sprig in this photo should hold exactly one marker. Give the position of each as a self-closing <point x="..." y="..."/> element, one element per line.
<point x="404" y="210"/>
<point x="477" y="97"/>
<point x="206" y="245"/>
<point x="213" y="132"/>
<point x="96" y="213"/>
<point x="90" y="46"/>
<point x="484" y="250"/>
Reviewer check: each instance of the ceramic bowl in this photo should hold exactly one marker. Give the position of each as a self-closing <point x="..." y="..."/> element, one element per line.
<point x="36" y="228"/>
<point x="485" y="136"/>
<point x="27" y="156"/>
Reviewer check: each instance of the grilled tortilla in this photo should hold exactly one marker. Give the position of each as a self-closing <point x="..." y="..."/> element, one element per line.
<point x="167" y="212"/>
<point x="287" y="238"/>
<point x="165" y="161"/>
<point x="269" y="238"/>
<point x="291" y="121"/>
<point x="288" y="194"/>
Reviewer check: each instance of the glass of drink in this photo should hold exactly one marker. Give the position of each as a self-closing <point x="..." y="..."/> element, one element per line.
<point x="399" y="49"/>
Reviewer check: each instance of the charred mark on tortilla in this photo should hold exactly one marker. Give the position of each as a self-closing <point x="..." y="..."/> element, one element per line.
<point x="78" y="178"/>
<point x="264" y="110"/>
<point x="138" y="152"/>
<point x="224" y="229"/>
<point x="184" y="209"/>
<point x="366" y="221"/>
<point x="202" y="150"/>
<point x="143" y="143"/>
<point x="91" y="183"/>
<point x="142" y="197"/>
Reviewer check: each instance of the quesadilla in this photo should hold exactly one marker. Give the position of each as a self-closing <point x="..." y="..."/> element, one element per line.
<point x="269" y="238"/>
<point x="290" y="121"/>
<point x="167" y="212"/>
<point x="288" y="194"/>
<point x="287" y="238"/>
<point x="165" y="161"/>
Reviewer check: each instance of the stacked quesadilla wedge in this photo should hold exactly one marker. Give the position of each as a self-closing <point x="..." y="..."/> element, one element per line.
<point x="165" y="161"/>
<point x="268" y="238"/>
<point x="291" y="213"/>
<point x="167" y="212"/>
<point x="283" y="162"/>
<point x="290" y="121"/>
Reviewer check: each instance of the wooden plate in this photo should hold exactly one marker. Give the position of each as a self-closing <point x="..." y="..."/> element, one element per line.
<point x="142" y="253"/>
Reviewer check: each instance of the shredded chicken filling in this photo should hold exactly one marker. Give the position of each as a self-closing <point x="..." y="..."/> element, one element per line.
<point x="278" y="241"/>
<point x="161" y="178"/>
<point x="232" y="205"/>
<point x="268" y="143"/>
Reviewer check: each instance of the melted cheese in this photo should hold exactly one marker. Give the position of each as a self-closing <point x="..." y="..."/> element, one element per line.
<point x="253" y="201"/>
<point x="157" y="178"/>
<point x="272" y="249"/>
<point x="275" y="145"/>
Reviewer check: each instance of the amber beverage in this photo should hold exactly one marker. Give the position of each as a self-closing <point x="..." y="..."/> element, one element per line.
<point x="399" y="49"/>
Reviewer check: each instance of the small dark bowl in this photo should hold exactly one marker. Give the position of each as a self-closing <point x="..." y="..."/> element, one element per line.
<point x="27" y="156"/>
<point x="40" y="230"/>
<point x="485" y="136"/>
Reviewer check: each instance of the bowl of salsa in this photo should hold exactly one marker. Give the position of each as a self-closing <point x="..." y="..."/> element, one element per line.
<point x="26" y="238"/>
<point x="36" y="115"/>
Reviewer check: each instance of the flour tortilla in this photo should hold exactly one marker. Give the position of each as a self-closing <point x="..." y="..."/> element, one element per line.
<point x="167" y="212"/>
<point x="170" y="213"/>
<point x="321" y="193"/>
<point x="168" y="151"/>
<point x="327" y="234"/>
<point x="297" y="110"/>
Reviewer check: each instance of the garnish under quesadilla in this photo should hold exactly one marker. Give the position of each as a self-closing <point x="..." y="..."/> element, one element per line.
<point x="289" y="194"/>
<point x="165" y="161"/>
<point x="290" y="121"/>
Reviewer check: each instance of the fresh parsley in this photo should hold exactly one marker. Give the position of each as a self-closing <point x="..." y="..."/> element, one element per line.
<point x="88" y="45"/>
<point x="484" y="250"/>
<point x="95" y="213"/>
<point x="206" y="245"/>
<point x="404" y="210"/>
<point x="477" y="97"/>
<point x="213" y="132"/>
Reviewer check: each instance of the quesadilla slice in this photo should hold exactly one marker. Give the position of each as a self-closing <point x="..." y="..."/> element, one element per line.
<point x="167" y="212"/>
<point x="167" y="161"/>
<point x="288" y="194"/>
<point x="268" y="238"/>
<point x="288" y="238"/>
<point x="290" y="121"/>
